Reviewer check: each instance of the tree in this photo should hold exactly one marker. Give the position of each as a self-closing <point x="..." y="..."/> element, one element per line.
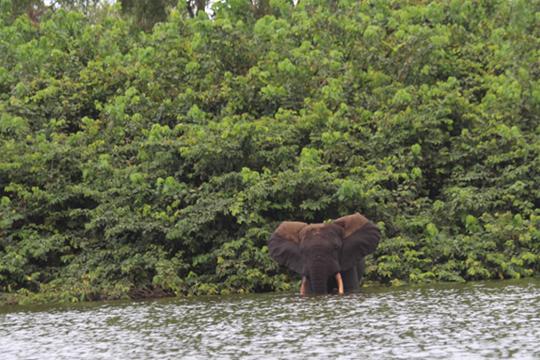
<point x="146" y="13"/>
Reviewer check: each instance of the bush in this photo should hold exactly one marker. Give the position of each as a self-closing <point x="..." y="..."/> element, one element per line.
<point x="162" y="160"/>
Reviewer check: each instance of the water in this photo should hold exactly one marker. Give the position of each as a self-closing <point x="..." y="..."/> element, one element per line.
<point x="479" y="320"/>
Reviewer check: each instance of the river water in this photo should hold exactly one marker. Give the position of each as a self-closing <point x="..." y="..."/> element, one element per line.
<point x="484" y="320"/>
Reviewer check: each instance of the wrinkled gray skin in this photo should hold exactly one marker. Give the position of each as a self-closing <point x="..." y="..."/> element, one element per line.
<point x="319" y="251"/>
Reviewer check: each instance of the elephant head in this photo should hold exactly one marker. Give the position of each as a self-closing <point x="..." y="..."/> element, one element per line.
<point x="326" y="255"/>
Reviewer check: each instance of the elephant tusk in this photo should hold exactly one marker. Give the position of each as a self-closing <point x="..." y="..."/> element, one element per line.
<point x="339" y="281"/>
<point x="303" y="286"/>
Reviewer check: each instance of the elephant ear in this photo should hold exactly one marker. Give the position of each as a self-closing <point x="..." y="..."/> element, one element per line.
<point x="284" y="245"/>
<point x="360" y="238"/>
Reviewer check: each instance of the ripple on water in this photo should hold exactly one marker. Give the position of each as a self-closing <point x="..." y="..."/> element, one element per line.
<point x="481" y="320"/>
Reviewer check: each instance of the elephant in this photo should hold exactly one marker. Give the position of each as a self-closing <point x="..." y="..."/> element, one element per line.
<point x="328" y="256"/>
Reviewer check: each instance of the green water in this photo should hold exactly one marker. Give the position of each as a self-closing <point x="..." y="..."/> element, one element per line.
<point x="477" y="320"/>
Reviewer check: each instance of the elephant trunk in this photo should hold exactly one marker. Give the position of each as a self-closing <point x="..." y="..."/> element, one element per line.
<point x="319" y="284"/>
<point x="321" y="275"/>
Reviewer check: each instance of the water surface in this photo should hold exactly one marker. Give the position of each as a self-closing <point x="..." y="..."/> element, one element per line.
<point x="476" y="320"/>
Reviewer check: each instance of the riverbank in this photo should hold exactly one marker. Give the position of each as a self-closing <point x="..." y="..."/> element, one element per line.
<point x="26" y="298"/>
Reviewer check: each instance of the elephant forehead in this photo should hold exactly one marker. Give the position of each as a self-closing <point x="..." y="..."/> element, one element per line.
<point x="314" y="229"/>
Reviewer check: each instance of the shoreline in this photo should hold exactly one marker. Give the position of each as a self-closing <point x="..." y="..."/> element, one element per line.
<point x="37" y="299"/>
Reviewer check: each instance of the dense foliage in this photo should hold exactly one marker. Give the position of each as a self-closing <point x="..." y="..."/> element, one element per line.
<point x="137" y="162"/>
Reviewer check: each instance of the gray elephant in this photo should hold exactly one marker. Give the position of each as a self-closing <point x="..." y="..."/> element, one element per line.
<point x="328" y="256"/>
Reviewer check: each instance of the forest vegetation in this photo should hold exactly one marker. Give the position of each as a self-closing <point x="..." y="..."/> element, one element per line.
<point x="148" y="152"/>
